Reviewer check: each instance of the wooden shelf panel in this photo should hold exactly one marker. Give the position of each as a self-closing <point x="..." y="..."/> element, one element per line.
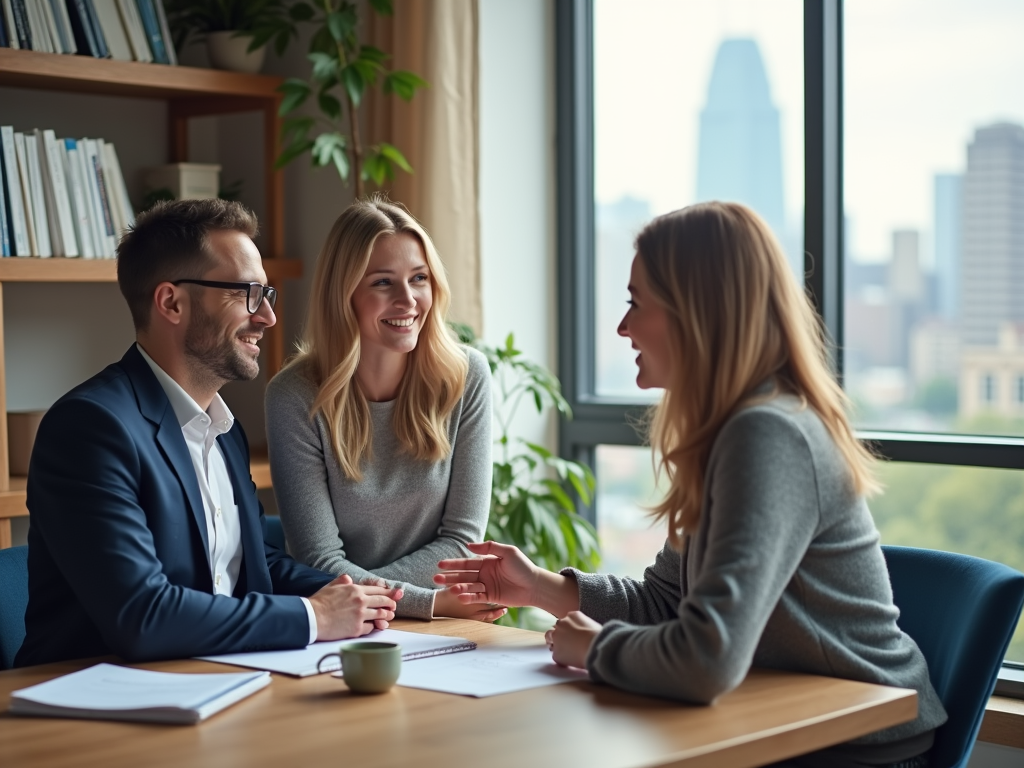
<point x="85" y="74"/>
<point x="12" y="502"/>
<point x="1003" y="723"/>
<point x="59" y="270"/>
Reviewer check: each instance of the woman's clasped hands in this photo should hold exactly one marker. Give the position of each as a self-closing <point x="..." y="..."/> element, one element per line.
<point x="502" y="575"/>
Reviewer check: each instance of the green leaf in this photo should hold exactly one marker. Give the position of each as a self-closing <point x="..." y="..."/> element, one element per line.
<point x="341" y="23"/>
<point x="396" y="157"/>
<point x="295" y="149"/>
<point x="383" y="7"/>
<point x="559" y="495"/>
<point x="322" y="42"/>
<point x="297" y="126"/>
<point x="372" y="54"/>
<point x="340" y="158"/>
<point x="324" y="146"/>
<point x="325" y="67"/>
<point x="355" y="84"/>
<point x="329" y="105"/>
<point x="295" y="93"/>
<point x="403" y="84"/>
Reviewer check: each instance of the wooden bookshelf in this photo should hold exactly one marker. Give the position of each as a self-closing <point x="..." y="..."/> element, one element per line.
<point x="189" y="92"/>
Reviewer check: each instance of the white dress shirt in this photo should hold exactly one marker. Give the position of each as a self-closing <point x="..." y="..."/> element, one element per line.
<point x="223" y="526"/>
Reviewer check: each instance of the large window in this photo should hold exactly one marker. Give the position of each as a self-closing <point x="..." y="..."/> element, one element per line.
<point x="880" y="152"/>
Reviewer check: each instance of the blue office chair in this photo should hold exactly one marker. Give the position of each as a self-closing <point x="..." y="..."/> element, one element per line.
<point x="961" y="611"/>
<point x="275" y="532"/>
<point x="13" y="602"/>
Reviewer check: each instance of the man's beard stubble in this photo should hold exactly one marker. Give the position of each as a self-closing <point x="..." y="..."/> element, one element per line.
<point x="210" y="356"/>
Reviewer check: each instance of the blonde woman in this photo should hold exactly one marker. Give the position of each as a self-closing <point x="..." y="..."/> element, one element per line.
<point x="772" y="558"/>
<point x="380" y="429"/>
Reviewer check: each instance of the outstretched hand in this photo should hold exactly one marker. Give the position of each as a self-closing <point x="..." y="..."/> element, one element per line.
<point x="502" y="575"/>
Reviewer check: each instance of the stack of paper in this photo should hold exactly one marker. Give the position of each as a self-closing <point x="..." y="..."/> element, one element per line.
<point x="109" y="692"/>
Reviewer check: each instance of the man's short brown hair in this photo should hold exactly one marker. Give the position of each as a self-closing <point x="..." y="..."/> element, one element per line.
<point x="169" y="242"/>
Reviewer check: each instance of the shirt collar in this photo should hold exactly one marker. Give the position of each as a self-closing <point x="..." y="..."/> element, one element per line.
<point x="185" y="408"/>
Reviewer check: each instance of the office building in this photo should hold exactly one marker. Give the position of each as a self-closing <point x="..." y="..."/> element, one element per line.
<point x="947" y="230"/>
<point x="740" y="153"/>
<point x="992" y="270"/>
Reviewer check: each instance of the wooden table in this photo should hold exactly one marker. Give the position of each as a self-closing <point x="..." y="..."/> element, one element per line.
<point x="317" y="721"/>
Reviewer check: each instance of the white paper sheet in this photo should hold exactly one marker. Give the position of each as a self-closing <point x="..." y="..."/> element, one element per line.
<point x="302" y="661"/>
<point x="108" y="691"/>
<point x="489" y="671"/>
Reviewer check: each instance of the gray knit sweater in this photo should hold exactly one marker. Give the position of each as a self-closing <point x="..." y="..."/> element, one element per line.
<point x="784" y="571"/>
<point x="405" y="514"/>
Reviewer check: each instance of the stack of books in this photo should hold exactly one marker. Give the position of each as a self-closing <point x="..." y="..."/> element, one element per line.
<point x="127" y="30"/>
<point x="60" y="197"/>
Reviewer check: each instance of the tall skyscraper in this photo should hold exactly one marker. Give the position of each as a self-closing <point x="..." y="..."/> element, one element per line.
<point x="993" y="237"/>
<point x="948" y="229"/>
<point x="740" y="155"/>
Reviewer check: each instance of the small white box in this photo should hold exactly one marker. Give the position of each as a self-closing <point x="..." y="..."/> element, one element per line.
<point x="187" y="181"/>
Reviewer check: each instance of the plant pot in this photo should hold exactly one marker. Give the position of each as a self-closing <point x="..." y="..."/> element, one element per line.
<point x="231" y="53"/>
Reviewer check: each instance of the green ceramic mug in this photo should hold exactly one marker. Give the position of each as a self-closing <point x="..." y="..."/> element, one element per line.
<point x="369" y="666"/>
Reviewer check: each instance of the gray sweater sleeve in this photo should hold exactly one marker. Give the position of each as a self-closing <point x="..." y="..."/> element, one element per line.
<point x="761" y="510"/>
<point x="302" y="464"/>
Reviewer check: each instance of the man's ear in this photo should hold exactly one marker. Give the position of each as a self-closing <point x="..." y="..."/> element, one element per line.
<point x="170" y="303"/>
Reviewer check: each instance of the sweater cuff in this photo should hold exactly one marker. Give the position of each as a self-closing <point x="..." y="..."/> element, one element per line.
<point x="596" y="595"/>
<point x="416" y="602"/>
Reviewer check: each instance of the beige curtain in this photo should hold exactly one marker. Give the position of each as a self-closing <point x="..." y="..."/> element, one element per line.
<point x="438" y="132"/>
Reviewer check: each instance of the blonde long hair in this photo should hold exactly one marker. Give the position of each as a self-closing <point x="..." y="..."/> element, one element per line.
<point x="736" y="318"/>
<point x="435" y="377"/>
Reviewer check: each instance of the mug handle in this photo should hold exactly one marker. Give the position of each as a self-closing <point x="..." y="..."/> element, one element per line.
<point x="325" y="658"/>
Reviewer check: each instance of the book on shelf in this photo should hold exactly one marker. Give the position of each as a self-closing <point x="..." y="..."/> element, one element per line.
<point x="60" y="10"/>
<point x="15" y="202"/>
<point x="81" y="27"/>
<point x="44" y="248"/>
<point x="83" y="226"/>
<point x="151" y="25"/>
<point x="111" y="692"/>
<point x="109" y="18"/>
<point x="60" y="197"/>
<point x="19" y="15"/>
<point x="136" y="34"/>
<point x="165" y="31"/>
<point x="4" y="40"/>
<point x="9" y="28"/>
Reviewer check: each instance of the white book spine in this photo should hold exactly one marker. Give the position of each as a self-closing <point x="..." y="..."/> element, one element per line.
<point x="9" y="19"/>
<point x="61" y="8"/>
<point x="19" y="228"/>
<point x="26" y="192"/>
<point x="61" y="194"/>
<point x="93" y="195"/>
<point x="49" y="198"/>
<point x="46" y="14"/>
<point x="5" y="228"/>
<point x="79" y="198"/>
<point x="113" y="201"/>
<point x="35" y="181"/>
<point x="104" y="222"/>
<point x="136" y="33"/>
<point x="113" y="166"/>
<point x="40" y="35"/>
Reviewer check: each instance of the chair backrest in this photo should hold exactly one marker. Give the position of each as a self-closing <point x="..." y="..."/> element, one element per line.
<point x="13" y="602"/>
<point x="961" y="611"/>
<point x="275" y="532"/>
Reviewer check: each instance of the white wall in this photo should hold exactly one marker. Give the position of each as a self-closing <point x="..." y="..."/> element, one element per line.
<point x="517" y="186"/>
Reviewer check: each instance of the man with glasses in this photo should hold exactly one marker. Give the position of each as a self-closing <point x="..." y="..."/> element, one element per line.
<point x="146" y="537"/>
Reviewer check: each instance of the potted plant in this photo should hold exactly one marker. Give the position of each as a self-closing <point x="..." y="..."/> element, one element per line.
<point x="230" y="29"/>
<point x="343" y="70"/>
<point x="532" y="492"/>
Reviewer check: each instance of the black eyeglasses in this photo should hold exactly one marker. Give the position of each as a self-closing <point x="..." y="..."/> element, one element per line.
<point x="255" y="292"/>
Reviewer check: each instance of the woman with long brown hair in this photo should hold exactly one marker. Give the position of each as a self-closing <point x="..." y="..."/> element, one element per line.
<point x="379" y="430"/>
<point x="772" y="558"/>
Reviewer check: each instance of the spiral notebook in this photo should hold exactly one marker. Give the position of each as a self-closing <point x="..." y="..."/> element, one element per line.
<point x="302" y="661"/>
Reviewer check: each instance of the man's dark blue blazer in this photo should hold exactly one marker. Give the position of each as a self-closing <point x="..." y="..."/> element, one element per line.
<point x="118" y="556"/>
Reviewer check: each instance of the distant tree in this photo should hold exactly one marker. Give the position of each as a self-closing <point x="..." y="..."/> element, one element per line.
<point x="938" y="397"/>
